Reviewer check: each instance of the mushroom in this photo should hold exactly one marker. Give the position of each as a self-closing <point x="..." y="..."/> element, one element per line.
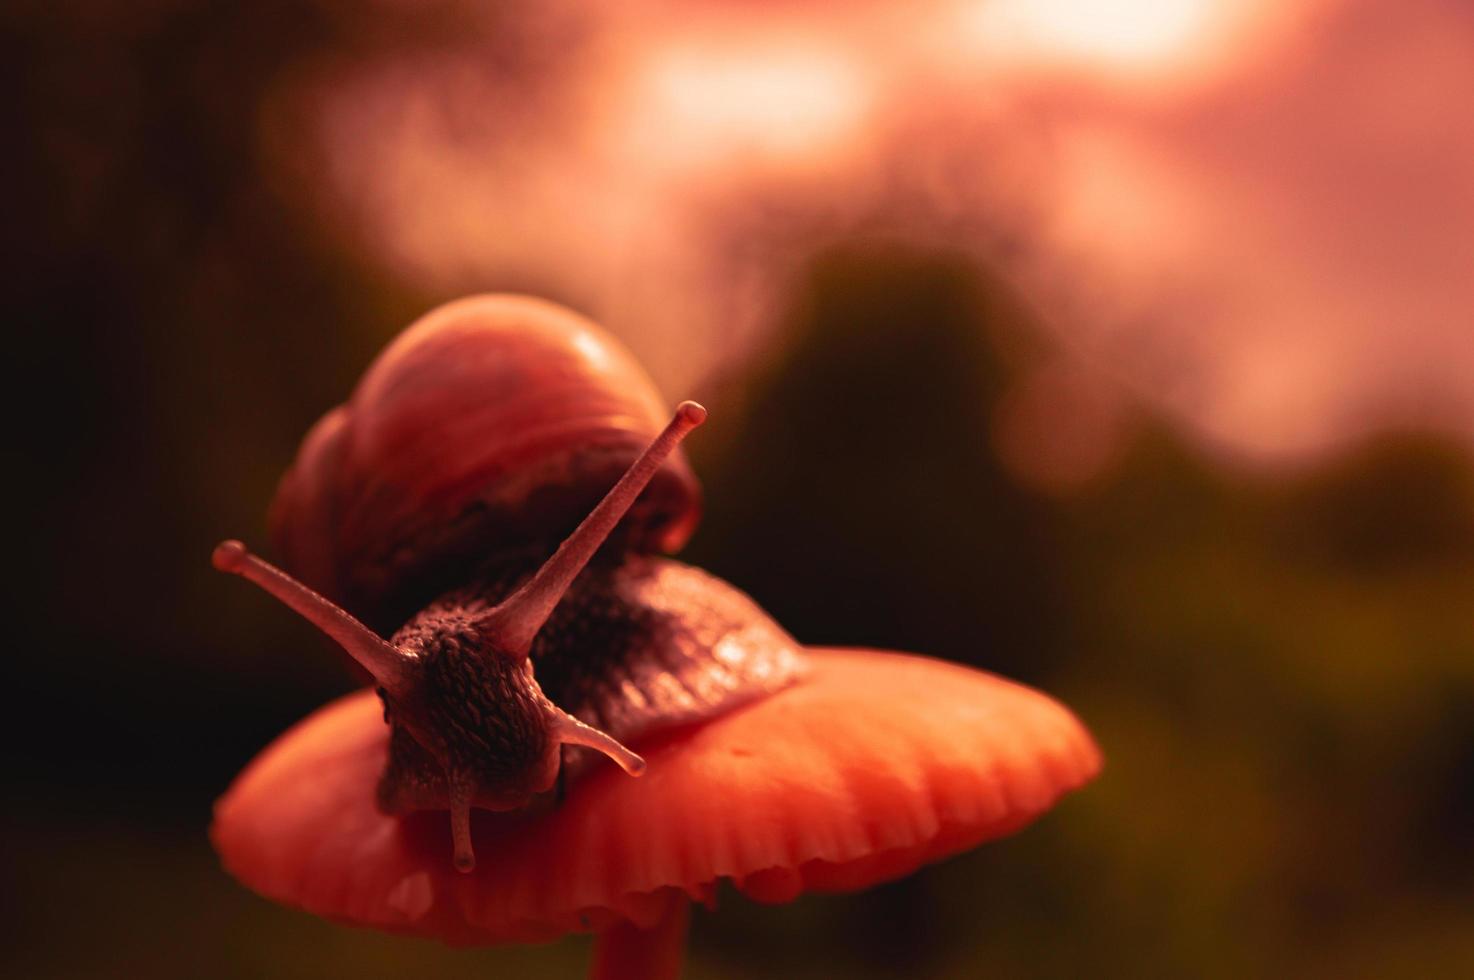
<point x="875" y="764"/>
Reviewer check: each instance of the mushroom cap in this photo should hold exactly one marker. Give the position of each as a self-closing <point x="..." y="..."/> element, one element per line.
<point x="874" y="765"/>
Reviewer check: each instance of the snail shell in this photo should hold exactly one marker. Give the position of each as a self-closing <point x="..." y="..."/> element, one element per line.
<point x="492" y="423"/>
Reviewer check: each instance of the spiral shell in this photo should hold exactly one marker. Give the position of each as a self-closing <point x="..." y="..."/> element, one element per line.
<point x="493" y="423"/>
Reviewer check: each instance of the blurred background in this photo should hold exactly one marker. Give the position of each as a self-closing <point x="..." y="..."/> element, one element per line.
<point x="1125" y="348"/>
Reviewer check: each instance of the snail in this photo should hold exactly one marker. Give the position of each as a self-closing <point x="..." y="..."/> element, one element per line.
<point x="430" y="505"/>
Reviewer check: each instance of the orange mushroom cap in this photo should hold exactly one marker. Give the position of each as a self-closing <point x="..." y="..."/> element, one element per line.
<point x="874" y="765"/>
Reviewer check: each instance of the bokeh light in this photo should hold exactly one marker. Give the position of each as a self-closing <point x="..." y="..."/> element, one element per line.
<point x="1275" y="196"/>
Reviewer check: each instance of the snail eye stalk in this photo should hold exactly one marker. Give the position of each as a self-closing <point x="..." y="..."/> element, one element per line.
<point x="392" y="669"/>
<point x="516" y="621"/>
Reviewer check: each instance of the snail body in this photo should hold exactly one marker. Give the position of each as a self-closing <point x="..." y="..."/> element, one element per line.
<point x="430" y="502"/>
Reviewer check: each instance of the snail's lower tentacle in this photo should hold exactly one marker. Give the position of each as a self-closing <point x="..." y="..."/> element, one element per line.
<point x="460" y="822"/>
<point x="571" y="731"/>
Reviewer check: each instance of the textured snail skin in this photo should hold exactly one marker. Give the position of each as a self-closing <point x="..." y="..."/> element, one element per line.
<point x="635" y="648"/>
<point x="491" y="423"/>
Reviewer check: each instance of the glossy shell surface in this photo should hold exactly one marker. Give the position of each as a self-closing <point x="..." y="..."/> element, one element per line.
<point x="492" y="422"/>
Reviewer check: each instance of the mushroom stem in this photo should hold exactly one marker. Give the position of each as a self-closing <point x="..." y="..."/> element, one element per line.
<point x="517" y="619"/>
<point x="626" y="952"/>
<point x="390" y="667"/>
